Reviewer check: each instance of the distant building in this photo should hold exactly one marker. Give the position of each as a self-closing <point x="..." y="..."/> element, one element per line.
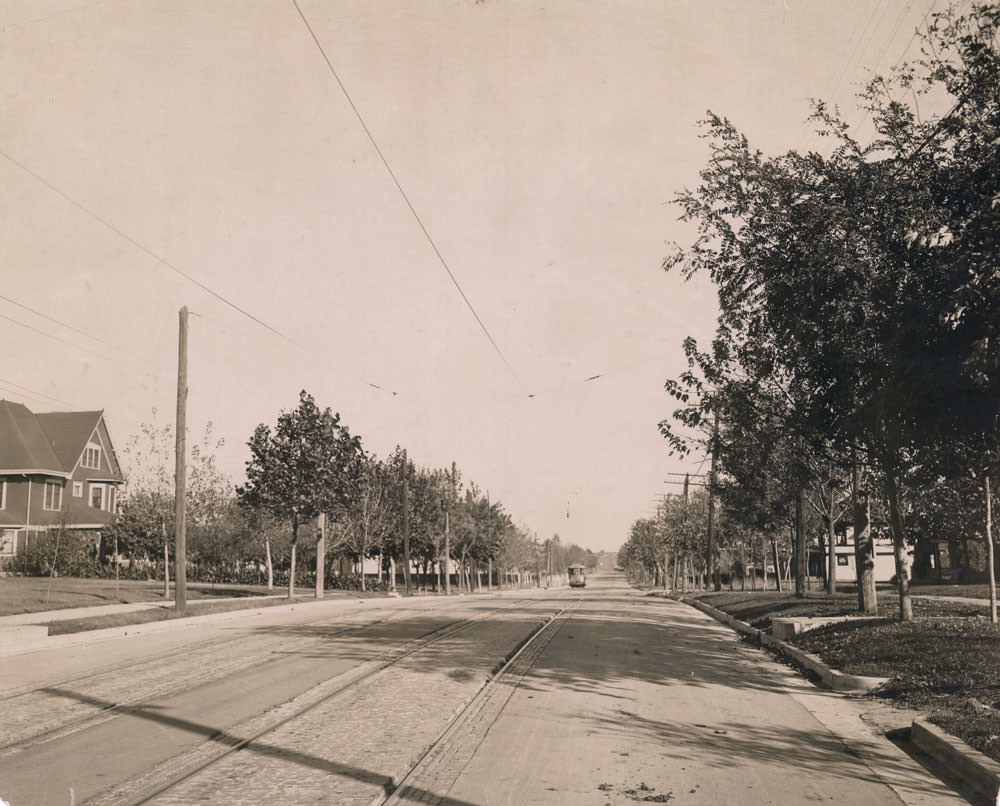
<point x="57" y="470"/>
<point x="885" y="559"/>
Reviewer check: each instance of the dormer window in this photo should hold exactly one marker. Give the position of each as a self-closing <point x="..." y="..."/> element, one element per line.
<point x="92" y="457"/>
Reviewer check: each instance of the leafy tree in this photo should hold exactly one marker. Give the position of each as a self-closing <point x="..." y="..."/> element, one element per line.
<point x="364" y="513"/>
<point x="300" y="469"/>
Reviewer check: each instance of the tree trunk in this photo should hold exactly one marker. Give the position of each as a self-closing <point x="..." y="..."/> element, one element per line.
<point x="763" y="558"/>
<point x="777" y="563"/>
<point x="801" y="557"/>
<point x="166" y="560"/>
<point x="269" y="563"/>
<point x="824" y="562"/>
<point x="899" y="548"/>
<point x="864" y="548"/>
<point x="291" y="570"/>
<point x="991" y="568"/>
<point x="831" y="539"/>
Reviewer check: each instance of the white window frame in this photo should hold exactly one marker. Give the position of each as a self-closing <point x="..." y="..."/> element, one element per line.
<point x="78" y="489"/>
<point x="8" y="542"/>
<point x="85" y="461"/>
<point x="104" y="495"/>
<point x="52" y="503"/>
<point x="3" y="494"/>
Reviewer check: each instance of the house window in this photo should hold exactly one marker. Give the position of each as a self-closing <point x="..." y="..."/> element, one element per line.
<point x="842" y="559"/>
<point x="53" y="495"/>
<point x="3" y="494"/>
<point x="78" y="489"/>
<point x="97" y="496"/>
<point x="92" y="457"/>
<point x="8" y="541"/>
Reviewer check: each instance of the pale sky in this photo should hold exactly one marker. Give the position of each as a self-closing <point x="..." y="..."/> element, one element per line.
<point x="539" y="143"/>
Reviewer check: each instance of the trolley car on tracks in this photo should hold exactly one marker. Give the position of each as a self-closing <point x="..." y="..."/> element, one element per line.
<point x="577" y="576"/>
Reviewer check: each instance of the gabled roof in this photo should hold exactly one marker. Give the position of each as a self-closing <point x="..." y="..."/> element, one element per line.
<point x="44" y="443"/>
<point x="24" y="445"/>
<point x="69" y="432"/>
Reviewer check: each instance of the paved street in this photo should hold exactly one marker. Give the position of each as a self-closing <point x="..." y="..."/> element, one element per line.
<point x="616" y="698"/>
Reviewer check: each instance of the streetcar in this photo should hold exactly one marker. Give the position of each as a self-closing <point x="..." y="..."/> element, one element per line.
<point x="577" y="576"/>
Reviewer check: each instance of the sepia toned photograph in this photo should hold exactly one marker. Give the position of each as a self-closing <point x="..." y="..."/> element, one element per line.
<point x="499" y="403"/>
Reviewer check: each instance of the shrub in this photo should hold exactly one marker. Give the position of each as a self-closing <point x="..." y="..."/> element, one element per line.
<point x="59" y="552"/>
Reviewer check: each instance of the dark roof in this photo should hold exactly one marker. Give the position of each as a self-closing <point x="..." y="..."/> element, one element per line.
<point x="68" y="431"/>
<point x="51" y="442"/>
<point x="23" y="443"/>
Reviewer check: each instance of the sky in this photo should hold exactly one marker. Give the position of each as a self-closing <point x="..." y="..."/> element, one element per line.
<point x="444" y="220"/>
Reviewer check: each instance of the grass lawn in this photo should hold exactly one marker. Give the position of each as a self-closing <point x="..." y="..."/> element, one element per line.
<point x="35" y="594"/>
<point x="40" y="594"/>
<point x="945" y="663"/>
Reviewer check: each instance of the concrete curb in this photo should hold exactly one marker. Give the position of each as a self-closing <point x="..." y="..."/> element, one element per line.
<point x="833" y="679"/>
<point x="10" y="648"/>
<point x="978" y="771"/>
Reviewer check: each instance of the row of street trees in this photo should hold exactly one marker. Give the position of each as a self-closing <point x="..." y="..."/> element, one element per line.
<point x="309" y="477"/>
<point x="856" y="362"/>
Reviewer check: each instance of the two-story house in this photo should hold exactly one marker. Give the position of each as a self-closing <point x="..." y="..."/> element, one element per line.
<point x="57" y="470"/>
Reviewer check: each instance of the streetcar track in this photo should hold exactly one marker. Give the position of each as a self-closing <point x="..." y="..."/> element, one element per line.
<point x="474" y="712"/>
<point x="223" y="744"/>
<point x="107" y="710"/>
<point x="111" y="710"/>
<point x="126" y="666"/>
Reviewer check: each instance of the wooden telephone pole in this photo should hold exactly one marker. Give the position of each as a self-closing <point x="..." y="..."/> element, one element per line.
<point x="180" y="476"/>
<point x="321" y="553"/>
<point x="406" y="525"/>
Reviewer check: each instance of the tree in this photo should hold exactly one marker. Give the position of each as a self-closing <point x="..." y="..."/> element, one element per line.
<point x="301" y="468"/>
<point x="363" y="515"/>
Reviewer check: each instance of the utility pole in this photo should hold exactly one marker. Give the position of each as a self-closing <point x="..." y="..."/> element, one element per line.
<point x="447" y="534"/>
<point x="166" y="557"/>
<point x="711" y="573"/>
<point x="180" y="534"/>
<point x="320" y="553"/>
<point x="406" y="525"/>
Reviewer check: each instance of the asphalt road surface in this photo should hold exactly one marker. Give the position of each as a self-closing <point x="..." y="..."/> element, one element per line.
<point x="585" y="696"/>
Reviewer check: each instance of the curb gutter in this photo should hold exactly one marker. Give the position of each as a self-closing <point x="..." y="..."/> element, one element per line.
<point x="979" y="772"/>
<point x="833" y="679"/>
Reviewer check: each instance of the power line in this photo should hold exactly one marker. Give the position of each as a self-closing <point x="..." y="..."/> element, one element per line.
<point x="77" y="346"/>
<point x="74" y="329"/>
<point x="144" y="249"/>
<point x="173" y="267"/>
<point x="406" y="198"/>
<point x="32" y="393"/>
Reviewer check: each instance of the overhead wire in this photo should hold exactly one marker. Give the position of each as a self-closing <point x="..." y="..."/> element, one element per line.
<point x="76" y="346"/>
<point x="902" y="55"/>
<point x="833" y="88"/>
<point x="159" y="259"/>
<point x="406" y="198"/>
<point x="31" y="393"/>
<point x="144" y="249"/>
<point x="72" y="328"/>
